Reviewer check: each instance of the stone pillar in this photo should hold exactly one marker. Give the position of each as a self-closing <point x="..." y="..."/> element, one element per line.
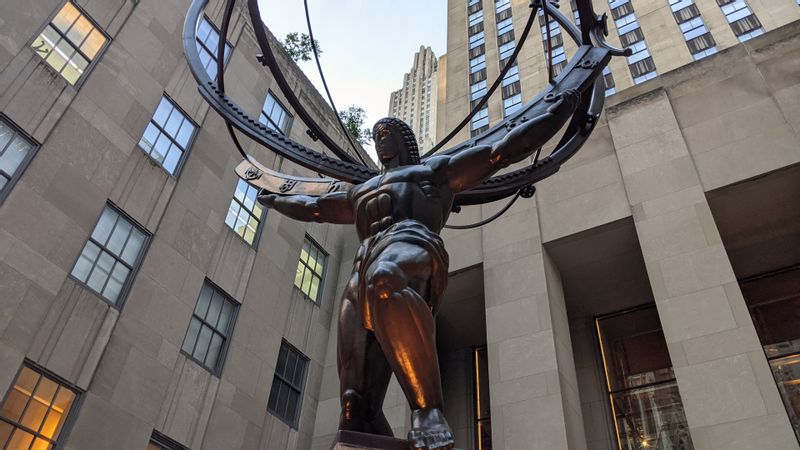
<point x="729" y="395"/>
<point x="532" y="374"/>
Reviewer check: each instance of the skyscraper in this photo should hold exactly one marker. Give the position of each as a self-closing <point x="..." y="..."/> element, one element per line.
<point x="416" y="101"/>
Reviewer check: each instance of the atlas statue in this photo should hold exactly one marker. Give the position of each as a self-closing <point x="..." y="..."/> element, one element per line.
<point x="388" y="308"/>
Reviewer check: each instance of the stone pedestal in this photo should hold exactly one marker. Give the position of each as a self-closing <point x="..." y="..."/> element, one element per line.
<point x="351" y="440"/>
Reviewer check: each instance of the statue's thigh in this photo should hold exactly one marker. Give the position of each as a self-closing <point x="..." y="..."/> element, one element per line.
<point x="412" y="260"/>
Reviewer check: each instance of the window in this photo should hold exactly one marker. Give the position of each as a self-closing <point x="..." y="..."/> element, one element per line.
<point x="274" y="115"/>
<point x="286" y="395"/>
<point x="512" y="104"/>
<point x="210" y="329"/>
<point x="512" y="76"/>
<point x="207" y="43"/>
<point x="697" y="36"/>
<point x="16" y="151"/>
<point x="774" y="303"/>
<point x="160" y="441"/>
<point x="744" y="23"/>
<point x="643" y="394"/>
<point x="505" y="26"/>
<point x="640" y="63"/>
<point x="244" y="213"/>
<point x="168" y="136"/>
<point x="475" y="18"/>
<point x="311" y="268"/>
<point x="35" y="410"/>
<point x="111" y="256"/>
<point x="70" y="42"/>
<point x="477" y="64"/>
<point x="480" y="122"/>
<point x="506" y="50"/>
<point x="608" y="82"/>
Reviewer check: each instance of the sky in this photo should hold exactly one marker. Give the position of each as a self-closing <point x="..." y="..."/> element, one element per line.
<point x="367" y="46"/>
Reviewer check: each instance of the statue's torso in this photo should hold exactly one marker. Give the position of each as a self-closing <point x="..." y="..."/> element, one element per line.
<point x="414" y="192"/>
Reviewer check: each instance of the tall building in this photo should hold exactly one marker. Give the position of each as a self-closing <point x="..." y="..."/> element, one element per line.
<point x="415" y="103"/>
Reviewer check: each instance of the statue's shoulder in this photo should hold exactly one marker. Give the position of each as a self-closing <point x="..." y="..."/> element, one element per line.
<point x="437" y="162"/>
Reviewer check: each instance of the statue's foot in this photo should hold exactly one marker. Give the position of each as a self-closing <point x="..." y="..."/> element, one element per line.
<point x="429" y="430"/>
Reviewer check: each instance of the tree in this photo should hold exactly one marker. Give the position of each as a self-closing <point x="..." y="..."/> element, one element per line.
<point x="298" y="46"/>
<point x="353" y="119"/>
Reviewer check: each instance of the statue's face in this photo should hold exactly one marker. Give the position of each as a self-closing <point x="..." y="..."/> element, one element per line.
<point x="388" y="144"/>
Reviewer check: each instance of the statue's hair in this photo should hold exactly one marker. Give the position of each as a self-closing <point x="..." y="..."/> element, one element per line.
<point x="405" y="131"/>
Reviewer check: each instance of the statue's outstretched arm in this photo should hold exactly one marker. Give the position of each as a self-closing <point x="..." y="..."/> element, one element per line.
<point x="328" y="208"/>
<point x="470" y="167"/>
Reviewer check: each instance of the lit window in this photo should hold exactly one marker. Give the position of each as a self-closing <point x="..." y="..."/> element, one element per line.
<point x="286" y="396"/>
<point x="16" y="151"/>
<point x="244" y="213"/>
<point x="482" y="410"/>
<point x="35" y="410"/>
<point x="311" y="268"/>
<point x="274" y="115"/>
<point x="111" y="256"/>
<point x="645" y="401"/>
<point x="168" y="136"/>
<point x="70" y="42"/>
<point x="159" y="441"/>
<point x="207" y="43"/>
<point x="210" y="329"/>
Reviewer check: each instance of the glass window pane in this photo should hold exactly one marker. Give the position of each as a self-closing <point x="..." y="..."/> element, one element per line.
<point x="291" y="366"/>
<point x="5" y="433"/>
<point x="133" y="247"/>
<point x="75" y="68"/>
<point x="214" y="309"/>
<point x="116" y="282"/>
<point x="185" y="134"/>
<point x="161" y="148"/>
<point x="51" y="424"/>
<point x="14" y="154"/>
<point x="203" y="341"/>
<point x="40" y="444"/>
<point x="79" y="31"/>
<point x="15" y="404"/>
<point x="203" y="301"/>
<point x="162" y="112"/>
<point x="26" y="381"/>
<point x="280" y="367"/>
<point x="119" y="236"/>
<point x="66" y="17"/>
<point x="299" y="373"/>
<point x="292" y="403"/>
<point x="104" y="226"/>
<point x="86" y="261"/>
<point x="149" y="138"/>
<point x="314" y="291"/>
<point x="6" y="133"/>
<point x="298" y="277"/>
<point x="272" y="404"/>
<point x="233" y="213"/>
<point x="46" y="391"/>
<point x="191" y="336"/>
<point x="93" y="43"/>
<point x="101" y="271"/>
<point x="283" y="401"/>
<point x="225" y="317"/>
<point x="61" y="53"/>
<point x="213" y="351"/>
<point x="170" y="163"/>
<point x="20" y="440"/>
<point x="174" y="123"/>
<point x="204" y="29"/>
<point x="241" y="190"/>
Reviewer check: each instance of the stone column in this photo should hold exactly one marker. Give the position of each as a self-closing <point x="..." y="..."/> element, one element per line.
<point x="533" y="385"/>
<point x="729" y="395"/>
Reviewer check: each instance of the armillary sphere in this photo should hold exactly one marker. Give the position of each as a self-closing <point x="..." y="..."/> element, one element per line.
<point x="583" y="73"/>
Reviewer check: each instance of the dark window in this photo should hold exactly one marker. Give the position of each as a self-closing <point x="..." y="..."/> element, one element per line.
<point x="207" y="43"/>
<point x="478" y="131"/>
<point x="111" y="256"/>
<point x="475" y="7"/>
<point x="286" y="396"/>
<point x="688" y="13"/>
<point x="210" y="329"/>
<point x="608" y="80"/>
<point x="701" y="43"/>
<point x="475" y="29"/>
<point x="310" y="270"/>
<point x="503" y="15"/>
<point x="622" y="10"/>
<point x="168" y="136"/>
<point x="745" y="25"/>
<point x="631" y="37"/>
<point x="35" y="411"/>
<point x="642" y="67"/>
<point x="477" y="51"/>
<point x="511" y="90"/>
<point x="505" y="38"/>
<point x="70" y="42"/>
<point x="244" y="213"/>
<point x="274" y="115"/>
<point x="477" y="76"/>
<point x="645" y="401"/>
<point x="16" y="152"/>
<point x="774" y="303"/>
<point x="159" y="441"/>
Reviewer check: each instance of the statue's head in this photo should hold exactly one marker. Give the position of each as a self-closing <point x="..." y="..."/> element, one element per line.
<point x="395" y="143"/>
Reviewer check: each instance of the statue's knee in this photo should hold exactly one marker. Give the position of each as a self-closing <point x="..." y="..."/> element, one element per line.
<point x="385" y="280"/>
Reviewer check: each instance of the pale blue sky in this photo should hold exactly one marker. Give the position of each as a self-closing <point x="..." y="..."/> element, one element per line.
<point x="367" y="45"/>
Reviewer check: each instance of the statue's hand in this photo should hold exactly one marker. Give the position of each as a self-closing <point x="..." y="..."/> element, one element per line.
<point x="266" y="198"/>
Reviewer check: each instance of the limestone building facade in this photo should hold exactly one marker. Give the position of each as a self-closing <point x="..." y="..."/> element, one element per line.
<point x="417" y="100"/>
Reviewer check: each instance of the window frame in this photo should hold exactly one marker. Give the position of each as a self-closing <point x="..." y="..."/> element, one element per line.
<point x="165" y="442"/>
<point x="321" y="250"/>
<point x="72" y="416"/>
<point x="223" y="353"/>
<point x="213" y="52"/>
<point x="298" y="412"/>
<point x="290" y="116"/>
<point x="23" y="165"/>
<point x="173" y="139"/>
<point x="92" y="62"/>
<point x="259" y="228"/>
<point x="126" y="288"/>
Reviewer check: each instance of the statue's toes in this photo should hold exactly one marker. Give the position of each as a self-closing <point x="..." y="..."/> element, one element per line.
<point x="431" y="440"/>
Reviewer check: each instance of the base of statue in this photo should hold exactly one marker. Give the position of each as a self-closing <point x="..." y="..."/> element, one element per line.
<point x="352" y="440"/>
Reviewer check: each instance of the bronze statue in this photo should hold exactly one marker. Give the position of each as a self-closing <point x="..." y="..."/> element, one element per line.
<point x="386" y="318"/>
